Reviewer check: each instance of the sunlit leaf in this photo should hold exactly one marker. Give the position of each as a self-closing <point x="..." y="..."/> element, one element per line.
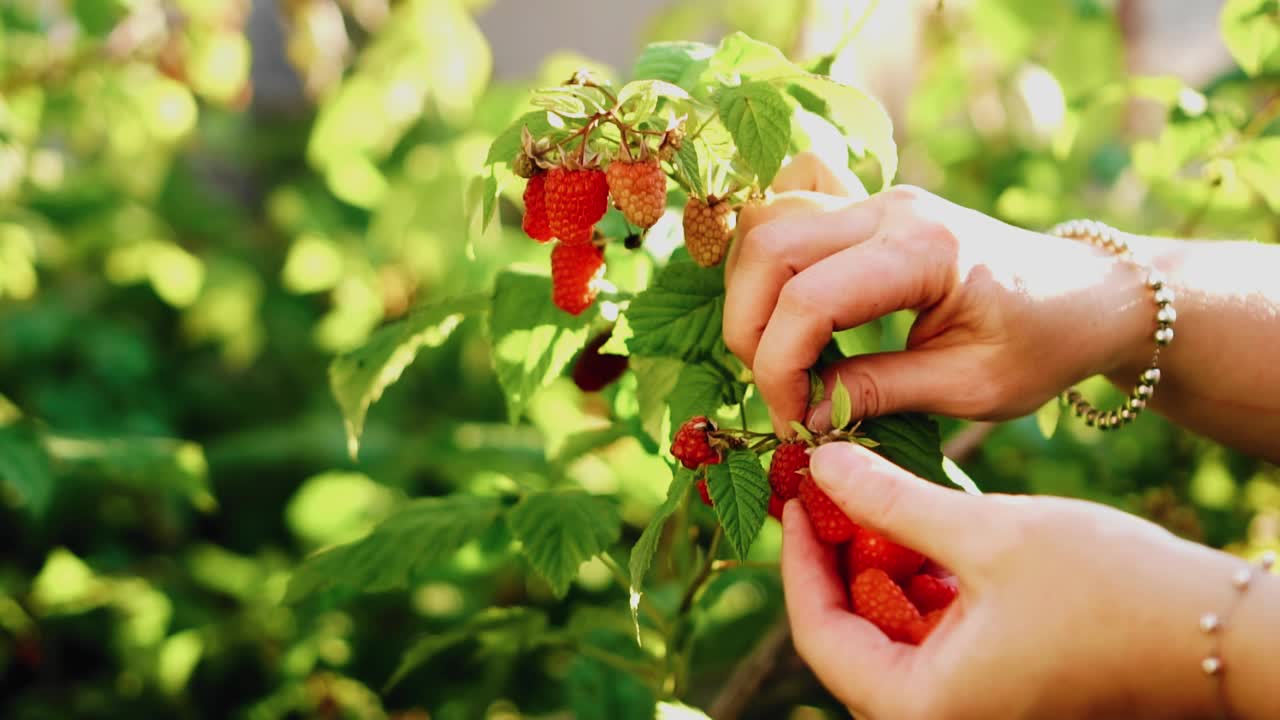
<point x="533" y="340"/>
<point x="647" y="545"/>
<point x="679" y="314"/>
<point x="1251" y="29"/>
<point x="418" y="536"/>
<point x="358" y="378"/>
<point x="864" y="122"/>
<point x="560" y="529"/>
<point x="759" y="119"/>
<point x="669" y="61"/>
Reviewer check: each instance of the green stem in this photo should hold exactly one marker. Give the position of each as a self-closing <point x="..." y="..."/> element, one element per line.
<point x="700" y="579"/>
<point x="635" y="667"/>
<point x="723" y="565"/>
<point x="646" y="608"/>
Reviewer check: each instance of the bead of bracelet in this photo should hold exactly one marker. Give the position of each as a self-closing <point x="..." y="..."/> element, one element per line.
<point x="1110" y="239"/>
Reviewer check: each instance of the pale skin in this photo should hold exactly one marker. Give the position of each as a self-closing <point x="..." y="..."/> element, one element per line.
<point x="1067" y="609"/>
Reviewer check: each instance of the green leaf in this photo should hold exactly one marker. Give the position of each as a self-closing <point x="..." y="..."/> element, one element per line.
<point x="421" y="534"/>
<point x="561" y="529"/>
<point x="1251" y="30"/>
<point x="506" y="145"/>
<point x="759" y="119"/>
<point x="1258" y="164"/>
<point x="581" y="443"/>
<point x="516" y="625"/>
<point x="596" y="690"/>
<point x="669" y="60"/>
<point x="532" y="339"/>
<point x="739" y="55"/>
<point x="571" y="101"/>
<point x="817" y="390"/>
<point x="701" y="390"/>
<point x="489" y="201"/>
<point x="679" y="314"/>
<point x="639" y="98"/>
<point x="647" y="546"/>
<point x="151" y="463"/>
<point x="358" y="378"/>
<point x="686" y="163"/>
<point x="841" y="406"/>
<point x="24" y="467"/>
<point x="656" y="379"/>
<point x="864" y="122"/>
<point x="1047" y="418"/>
<point x="911" y="441"/>
<point x="740" y="496"/>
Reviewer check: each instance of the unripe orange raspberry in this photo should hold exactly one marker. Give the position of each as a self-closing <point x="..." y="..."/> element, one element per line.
<point x="707" y="230"/>
<point x="639" y="190"/>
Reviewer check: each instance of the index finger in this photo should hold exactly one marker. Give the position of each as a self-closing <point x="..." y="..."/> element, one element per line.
<point x="810" y="171"/>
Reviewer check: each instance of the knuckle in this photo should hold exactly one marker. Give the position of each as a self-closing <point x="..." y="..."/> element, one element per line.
<point x="799" y="298"/>
<point x="866" y="391"/>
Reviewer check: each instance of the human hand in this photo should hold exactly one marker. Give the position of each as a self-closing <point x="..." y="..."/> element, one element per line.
<point x="1066" y="608"/>
<point x="1008" y="317"/>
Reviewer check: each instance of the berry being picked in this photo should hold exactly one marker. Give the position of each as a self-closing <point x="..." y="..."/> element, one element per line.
<point x="789" y="466"/>
<point x="574" y="269"/>
<point x="639" y="189"/>
<point x="594" y="370"/>
<point x="929" y="593"/>
<point x="870" y="549"/>
<point x="575" y="201"/>
<point x="830" y="523"/>
<point x="707" y="230"/>
<point x="704" y="492"/>
<point x="922" y="629"/>
<point x="535" y="209"/>
<point x="877" y="598"/>
<point x="692" y="446"/>
<point x="775" y="506"/>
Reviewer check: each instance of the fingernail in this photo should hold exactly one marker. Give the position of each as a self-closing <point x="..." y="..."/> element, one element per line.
<point x="820" y="417"/>
<point x="830" y="461"/>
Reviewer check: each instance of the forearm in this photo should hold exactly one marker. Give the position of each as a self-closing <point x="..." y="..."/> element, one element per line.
<point x="1221" y="375"/>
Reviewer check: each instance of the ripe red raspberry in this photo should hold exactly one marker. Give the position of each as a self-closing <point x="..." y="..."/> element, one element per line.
<point x="830" y="523"/>
<point x="775" y="506"/>
<point x="707" y="229"/>
<point x="929" y="593"/>
<point x="639" y="190"/>
<point x="789" y="466"/>
<point x="870" y="549"/>
<point x="691" y="446"/>
<point x="594" y="370"/>
<point x="704" y="492"/>
<point x="877" y="598"/>
<point x="921" y="630"/>
<point x="535" y="209"/>
<point x="574" y="269"/>
<point x="575" y="200"/>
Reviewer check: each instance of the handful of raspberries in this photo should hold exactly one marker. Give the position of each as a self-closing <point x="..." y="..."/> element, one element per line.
<point x="892" y="586"/>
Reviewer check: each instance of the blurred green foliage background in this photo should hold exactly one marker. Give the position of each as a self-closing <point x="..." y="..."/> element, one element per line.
<point x="181" y="255"/>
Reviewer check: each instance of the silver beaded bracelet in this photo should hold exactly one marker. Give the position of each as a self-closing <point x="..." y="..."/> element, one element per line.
<point x="1111" y="239"/>
<point x="1212" y="624"/>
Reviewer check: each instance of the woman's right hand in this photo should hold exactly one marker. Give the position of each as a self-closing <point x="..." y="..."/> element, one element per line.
<point x="1007" y="317"/>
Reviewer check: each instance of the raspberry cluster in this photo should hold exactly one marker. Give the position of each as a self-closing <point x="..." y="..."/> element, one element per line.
<point x="892" y="586"/>
<point x="565" y="198"/>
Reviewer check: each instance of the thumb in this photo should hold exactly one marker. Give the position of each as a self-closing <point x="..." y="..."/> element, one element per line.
<point x="929" y="518"/>
<point x="891" y="382"/>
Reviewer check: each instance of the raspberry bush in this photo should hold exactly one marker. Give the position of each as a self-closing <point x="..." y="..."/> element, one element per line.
<point x="196" y="259"/>
<point x="658" y="165"/>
